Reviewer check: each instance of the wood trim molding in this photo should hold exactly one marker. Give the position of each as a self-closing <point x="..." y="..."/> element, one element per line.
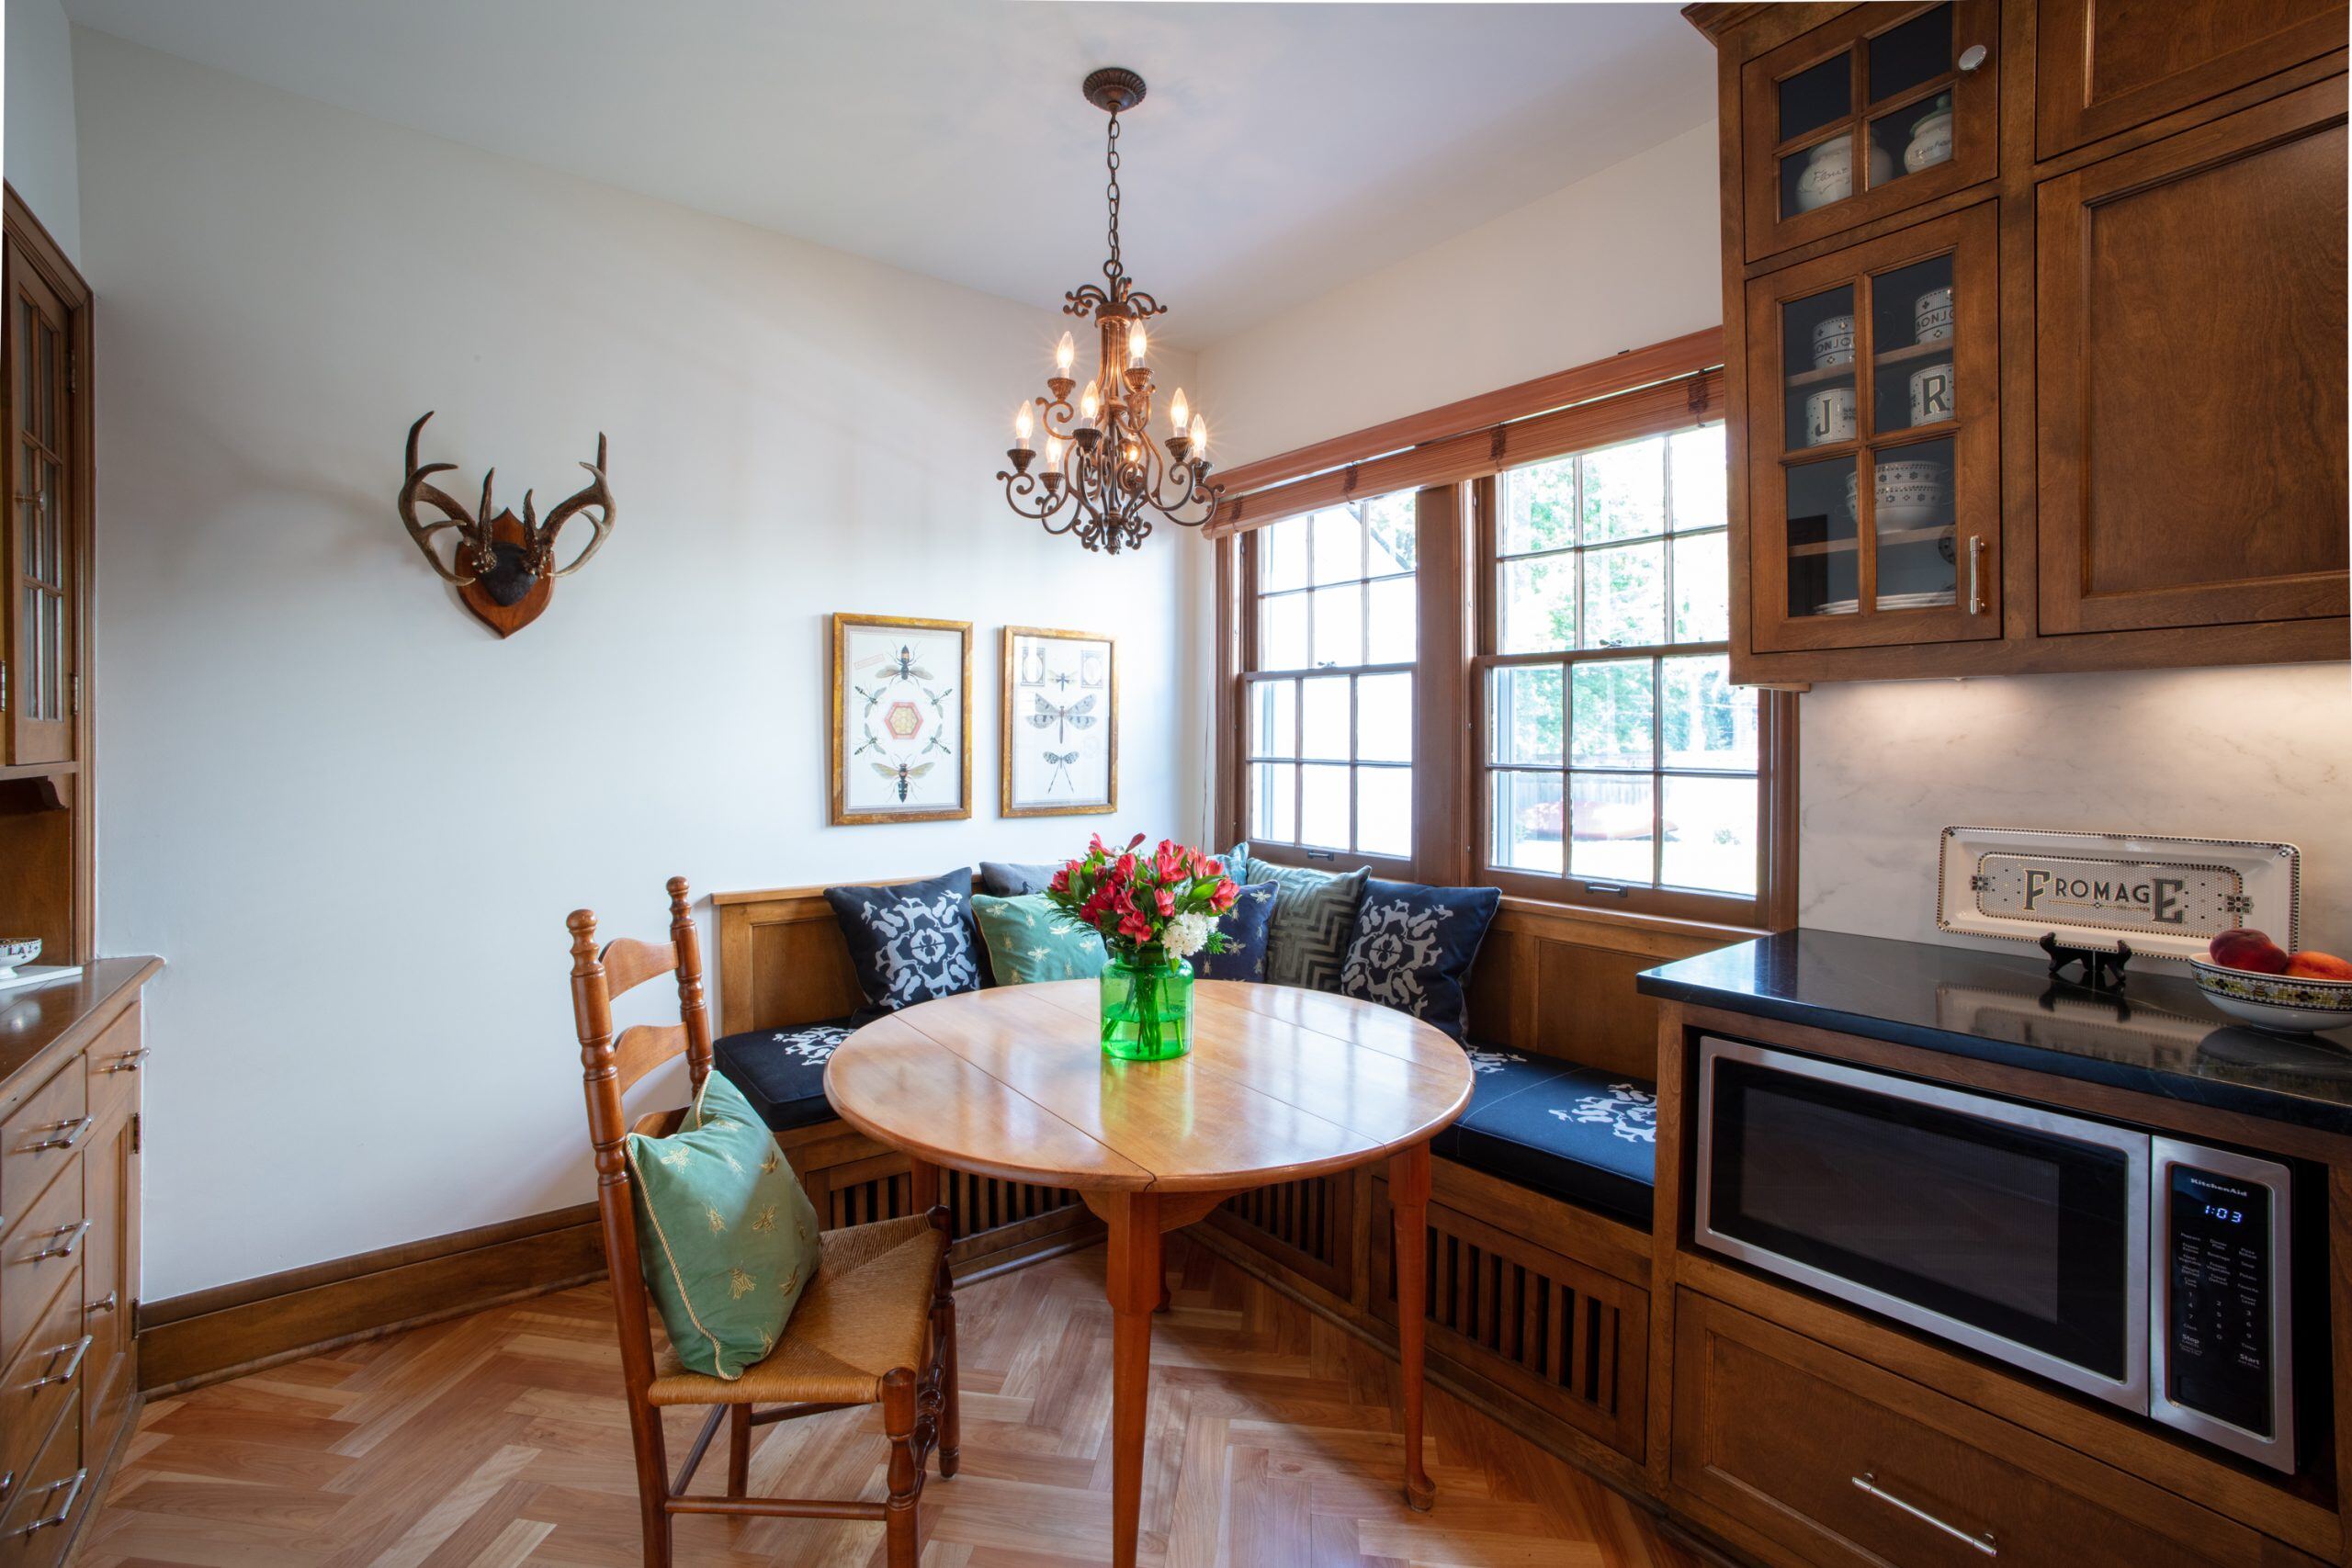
<point x="209" y="1335"/>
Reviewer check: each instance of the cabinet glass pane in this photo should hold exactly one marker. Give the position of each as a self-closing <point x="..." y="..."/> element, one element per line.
<point x="1903" y="58"/>
<point x="1281" y="556"/>
<point x="1536" y="606"/>
<point x="48" y="366"/>
<point x="1525" y="720"/>
<point x="53" y="525"/>
<point x="1282" y="632"/>
<point x="1526" y="811"/>
<point x="1612" y="714"/>
<point x="1817" y="348"/>
<point x="1273" y="801"/>
<point x="1624" y="595"/>
<point x="1825" y="573"/>
<point x="1822" y="175"/>
<point x="1323" y="805"/>
<point x="1384" y="719"/>
<point x="1611" y="826"/>
<point x="1817" y="95"/>
<point x="1912" y="317"/>
<point x="1710" y="834"/>
<point x="1384" y="811"/>
<point x="1338" y="625"/>
<point x="1911" y="140"/>
<point x="1274" y="719"/>
<point x="52" y="686"/>
<point x="1323" y="717"/>
<point x="1912" y="496"/>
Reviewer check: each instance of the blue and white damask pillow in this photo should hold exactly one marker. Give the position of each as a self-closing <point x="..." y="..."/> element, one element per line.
<point x="910" y="942"/>
<point x="1413" y="948"/>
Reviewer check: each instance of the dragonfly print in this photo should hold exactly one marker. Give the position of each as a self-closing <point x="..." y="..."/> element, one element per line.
<point x="1063" y="717"/>
<point x="904" y="773"/>
<point x="1059" y="778"/>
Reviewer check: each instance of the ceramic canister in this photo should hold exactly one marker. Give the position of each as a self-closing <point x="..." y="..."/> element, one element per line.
<point x="1931" y="138"/>
<point x="1827" y="174"/>
<point x="1931" y="317"/>
<point x="1931" y="393"/>
<point x="1910" y="492"/>
<point x="1833" y="342"/>
<point x="1829" y="416"/>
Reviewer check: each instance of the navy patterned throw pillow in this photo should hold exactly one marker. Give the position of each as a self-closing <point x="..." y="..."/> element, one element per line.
<point x="1315" y="915"/>
<point x="1413" y="948"/>
<point x="910" y="942"/>
<point x="1010" y="879"/>
<point x="1245" y="925"/>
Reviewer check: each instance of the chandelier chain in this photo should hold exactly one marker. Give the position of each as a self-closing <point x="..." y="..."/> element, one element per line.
<point x="1111" y="268"/>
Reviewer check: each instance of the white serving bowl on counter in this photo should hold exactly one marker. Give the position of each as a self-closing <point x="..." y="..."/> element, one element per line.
<point x="2288" y="1002"/>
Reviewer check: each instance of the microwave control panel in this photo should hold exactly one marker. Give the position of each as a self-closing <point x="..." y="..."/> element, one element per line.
<point x="2219" y="1355"/>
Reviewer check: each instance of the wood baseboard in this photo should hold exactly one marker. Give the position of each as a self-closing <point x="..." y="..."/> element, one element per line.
<point x="207" y="1336"/>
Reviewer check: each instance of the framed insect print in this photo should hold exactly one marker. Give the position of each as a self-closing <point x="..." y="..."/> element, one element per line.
<point x="1060" y="731"/>
<point x="902" y="720"/>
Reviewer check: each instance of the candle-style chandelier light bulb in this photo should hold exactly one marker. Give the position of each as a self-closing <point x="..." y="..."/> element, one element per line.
<point x="1022" y="425"/>
<point x="1105" y="478"/>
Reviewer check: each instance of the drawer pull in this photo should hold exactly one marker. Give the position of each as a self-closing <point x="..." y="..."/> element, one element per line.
<point x="109" y="1304"/>
<point x="1868" y="1482"/>
<point x="72" y="1367"/>
<point x="71" y="1235"/>
<point x="62" y="1136"/>
<point x="128" y="1061"/>
<point x="72" y="1487"/>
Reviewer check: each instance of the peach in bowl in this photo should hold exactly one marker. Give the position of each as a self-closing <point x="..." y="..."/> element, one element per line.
<point x="2248" y="976"/>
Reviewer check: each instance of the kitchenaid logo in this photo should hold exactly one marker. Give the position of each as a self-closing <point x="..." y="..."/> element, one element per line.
<point x="2156" y="898"/>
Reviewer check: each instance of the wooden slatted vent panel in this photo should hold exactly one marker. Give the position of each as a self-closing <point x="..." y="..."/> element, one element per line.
<point x="1304" y="1225"/>
<point x="1558" y="1334"/>
<point x="980" y="1203"/>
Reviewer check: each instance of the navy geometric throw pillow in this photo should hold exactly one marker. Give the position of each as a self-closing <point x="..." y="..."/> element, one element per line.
<point x="1413" y="948"/>
<point x="910" y="942"/>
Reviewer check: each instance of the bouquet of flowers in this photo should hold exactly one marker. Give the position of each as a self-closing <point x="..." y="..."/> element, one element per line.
<point x="1154" y="907"/>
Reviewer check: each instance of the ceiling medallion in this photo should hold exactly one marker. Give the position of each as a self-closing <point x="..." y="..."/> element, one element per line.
<point x="1106" y="476"/>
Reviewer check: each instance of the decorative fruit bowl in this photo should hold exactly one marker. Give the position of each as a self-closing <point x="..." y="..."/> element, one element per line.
<point x="16" y="952"/>
<point x="2250" y="976"/>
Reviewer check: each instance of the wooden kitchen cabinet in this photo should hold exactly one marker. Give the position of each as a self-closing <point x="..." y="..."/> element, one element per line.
<point x="2143" y="215"/>
<point x="40" y="663"/>
<point x="2191" y="383"/>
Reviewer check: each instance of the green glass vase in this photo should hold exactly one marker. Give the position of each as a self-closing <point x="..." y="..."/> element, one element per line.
<point x="1146" y="1006"/>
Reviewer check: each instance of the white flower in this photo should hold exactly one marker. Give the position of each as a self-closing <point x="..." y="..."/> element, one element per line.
<point x="1188" y="933"/>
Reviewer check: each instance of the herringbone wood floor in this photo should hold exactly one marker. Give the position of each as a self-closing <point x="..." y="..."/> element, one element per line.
<point x="499" y="1439"/>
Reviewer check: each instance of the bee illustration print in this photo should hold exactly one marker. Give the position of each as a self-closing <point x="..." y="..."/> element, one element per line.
<point x="1064" y="717"/>
<point x="905" y="772"/>
<point x="904" y="666"/>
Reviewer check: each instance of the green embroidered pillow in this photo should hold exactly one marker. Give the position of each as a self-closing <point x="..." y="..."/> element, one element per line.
<point x="1029" y="939"/>
<point x="724" y="1237"/>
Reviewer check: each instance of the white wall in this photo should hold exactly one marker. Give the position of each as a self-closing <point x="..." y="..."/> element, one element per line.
<point x="39" y="158"/>
<point x="1630" y="256"/>
<point x="351" y="818"/>
<point x="1618" y="260"/>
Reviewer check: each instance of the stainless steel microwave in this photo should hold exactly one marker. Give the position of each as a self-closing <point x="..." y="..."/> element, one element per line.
<point x="2148" y="1271"/>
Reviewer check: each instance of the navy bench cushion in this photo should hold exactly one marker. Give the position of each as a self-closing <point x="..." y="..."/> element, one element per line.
<point x="1586" y="1137"/>
<point x="782" y="1071"/>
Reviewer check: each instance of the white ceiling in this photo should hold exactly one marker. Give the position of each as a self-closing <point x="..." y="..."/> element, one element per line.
<point x="1284" y="148"/>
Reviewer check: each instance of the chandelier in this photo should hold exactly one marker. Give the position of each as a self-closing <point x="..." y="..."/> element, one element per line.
<point x="1105" y="476"/>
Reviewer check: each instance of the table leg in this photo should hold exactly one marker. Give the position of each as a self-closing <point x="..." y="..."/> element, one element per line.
<point x="1134" y="1284"/>
<point x="1408" y="1202"/>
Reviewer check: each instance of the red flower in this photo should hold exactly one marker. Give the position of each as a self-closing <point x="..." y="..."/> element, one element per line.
<point x="1211" y="867"/>
<point x="1060" y="884"/>
<point x="1134" y="841"/>
<point x="1134" y="928"/>
<point x="1124" y="870"/>
<point x="1223" y="898"/>
<point x="1165" y="902"/>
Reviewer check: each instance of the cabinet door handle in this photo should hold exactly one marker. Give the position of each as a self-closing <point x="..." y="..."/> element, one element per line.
<point x="72" y="1366"/>
<point x="72" y="1487"/>
<point x="1974" y="56"/>
<point x="112" y="1300"/>
<point x="72" y="1235"/>
<point x="1977" y="605"/>
<point x="62" y="1136"/>
<point x="128" y="1061"/>
<point x="1868" y="1482"/>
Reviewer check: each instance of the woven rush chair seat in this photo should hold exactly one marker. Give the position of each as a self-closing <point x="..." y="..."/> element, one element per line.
<point x="866" y="1313"/>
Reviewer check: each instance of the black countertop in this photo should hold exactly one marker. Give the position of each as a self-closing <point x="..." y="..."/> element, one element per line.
<point x="2158" y="1036"/>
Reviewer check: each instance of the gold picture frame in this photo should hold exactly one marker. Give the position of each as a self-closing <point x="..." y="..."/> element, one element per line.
<point x="898" y="750"/>
<point x="1061" y="699"/>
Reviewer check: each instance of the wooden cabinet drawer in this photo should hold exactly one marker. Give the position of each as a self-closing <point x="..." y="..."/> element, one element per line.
<point x="41" y="1255"/>
<point x="114" y="1060"/>
<point x="1834" y="1460"/>
<point x="46" y="1377"/>
<point x="38" y="1140"/>
<point x="46" y="1502"/>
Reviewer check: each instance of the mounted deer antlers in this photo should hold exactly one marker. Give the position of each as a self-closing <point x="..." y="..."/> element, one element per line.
<point x="501" y="565"/>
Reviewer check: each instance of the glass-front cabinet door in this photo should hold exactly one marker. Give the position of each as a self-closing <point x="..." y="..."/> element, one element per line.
<point x="1874" y="441"/>
<point x="1873" y="113"/>
<point x="37" y="657"/>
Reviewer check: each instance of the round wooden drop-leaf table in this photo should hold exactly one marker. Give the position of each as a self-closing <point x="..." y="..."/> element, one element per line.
<point x="1281" y="1084"/>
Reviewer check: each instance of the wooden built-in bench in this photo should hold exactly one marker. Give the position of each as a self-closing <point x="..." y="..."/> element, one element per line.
<point x="1538" y="1309"/>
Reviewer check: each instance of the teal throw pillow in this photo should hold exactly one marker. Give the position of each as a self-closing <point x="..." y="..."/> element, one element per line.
<point x="724" y="1237"/>
<point x="1029" y="939"/>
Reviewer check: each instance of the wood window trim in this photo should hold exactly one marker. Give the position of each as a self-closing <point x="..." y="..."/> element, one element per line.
<point x="1454" y="512"/>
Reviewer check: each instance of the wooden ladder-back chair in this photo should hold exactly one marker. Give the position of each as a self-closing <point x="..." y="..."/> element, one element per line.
<point x="877" y="1325"/>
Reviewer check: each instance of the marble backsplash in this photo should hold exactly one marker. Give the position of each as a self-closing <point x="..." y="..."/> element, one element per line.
<point x="2255" y="752"/>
